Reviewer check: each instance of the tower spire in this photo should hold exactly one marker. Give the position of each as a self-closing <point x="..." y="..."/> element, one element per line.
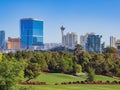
<point x="62" y="32"/>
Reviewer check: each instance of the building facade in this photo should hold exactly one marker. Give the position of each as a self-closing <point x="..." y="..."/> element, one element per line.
<point x="70" y="40"/>
<point x="112" y="41"/>
<point x="13" y="43"/>
<point x="94" y="43"/>
<point x="83" y="39"/>
<point x="2" y="40"/>
<point x="31" y="33"/>
<point x="117" y="44"/>
<point x="48" y="46"/>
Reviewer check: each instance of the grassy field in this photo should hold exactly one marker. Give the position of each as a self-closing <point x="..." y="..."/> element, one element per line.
<point x="75" y="87"/>
<point x="52" y="78"/>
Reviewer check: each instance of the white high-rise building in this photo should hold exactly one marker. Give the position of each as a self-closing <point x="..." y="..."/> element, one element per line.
<point x="71" y="40"/>
<point x="112" y="41"/>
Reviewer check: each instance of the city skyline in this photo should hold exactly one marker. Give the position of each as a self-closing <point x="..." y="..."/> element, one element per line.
<point x="80" y="16"/>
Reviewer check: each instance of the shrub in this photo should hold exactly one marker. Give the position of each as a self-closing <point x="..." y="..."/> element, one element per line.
<point x="77" y="82"/>
<point x="82" y="82"/>
<point x="56" y="83"/>
<point x="69" y="82"/>
<point x="114" y="82"/>
<point x="107" y="82"/>
<point x="118" y="82"/>
<point x="99" y="82"/>
<point x="91" y="74"/>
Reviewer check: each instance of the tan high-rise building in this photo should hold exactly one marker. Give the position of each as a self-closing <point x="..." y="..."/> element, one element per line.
<point x="13" y="43"/>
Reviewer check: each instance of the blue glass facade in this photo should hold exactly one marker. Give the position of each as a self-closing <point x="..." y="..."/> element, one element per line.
<point x="94" y="44"/>
<point x="31" y="33"/>
<point x="2" y="40"/>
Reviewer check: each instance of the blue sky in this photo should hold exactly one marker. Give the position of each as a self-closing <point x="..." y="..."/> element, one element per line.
<point x="80" y="16"/>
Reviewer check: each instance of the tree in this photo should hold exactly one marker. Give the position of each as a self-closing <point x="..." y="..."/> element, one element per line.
<point x="40" y="59"/>
<point x="0" y="57"/>
<point x="66" y="65"/>
<point x="11" y="72"/>
<point x="84" y="60"/>
<point x="27" y="55"/>
<point x="18" y="55"/>
<point x="108" y="63"/>
<point x="10" y="55"/>
<point x="48" y="57"/>
<point x="52" y="65"/>
<point x="91" y="74"/>
<point x="32" y="70"/>
<point x="96" y="62"/>
<point x="78" y="68"/>
<point x="110" y="50"/>
<point x="78" y="49"/>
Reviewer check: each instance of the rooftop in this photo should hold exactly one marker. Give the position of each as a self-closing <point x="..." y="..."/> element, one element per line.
<point x="31" y="19"/>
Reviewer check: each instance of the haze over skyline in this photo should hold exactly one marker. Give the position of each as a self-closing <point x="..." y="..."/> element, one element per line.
<point x="80" y="16"/>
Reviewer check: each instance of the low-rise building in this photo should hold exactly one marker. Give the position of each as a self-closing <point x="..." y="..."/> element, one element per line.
<point x="13" y="43"/>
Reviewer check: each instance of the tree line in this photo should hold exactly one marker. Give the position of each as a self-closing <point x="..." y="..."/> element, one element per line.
<point x="27" y="64"/>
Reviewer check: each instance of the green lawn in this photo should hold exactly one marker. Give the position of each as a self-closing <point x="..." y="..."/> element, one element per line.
<point x="76" y="87"/>
<point x="52" y="78"/>
<point x="104" y="78"/>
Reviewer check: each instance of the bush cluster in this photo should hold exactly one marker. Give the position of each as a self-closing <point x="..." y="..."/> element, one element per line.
<point x="88" y="82"/>
<point x="32" y="83"/>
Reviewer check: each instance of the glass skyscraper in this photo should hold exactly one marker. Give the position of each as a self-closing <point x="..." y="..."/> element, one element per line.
<point x="2" y="40"/>
<point x="94" y="43"/>
<point x="31" y="33"/>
